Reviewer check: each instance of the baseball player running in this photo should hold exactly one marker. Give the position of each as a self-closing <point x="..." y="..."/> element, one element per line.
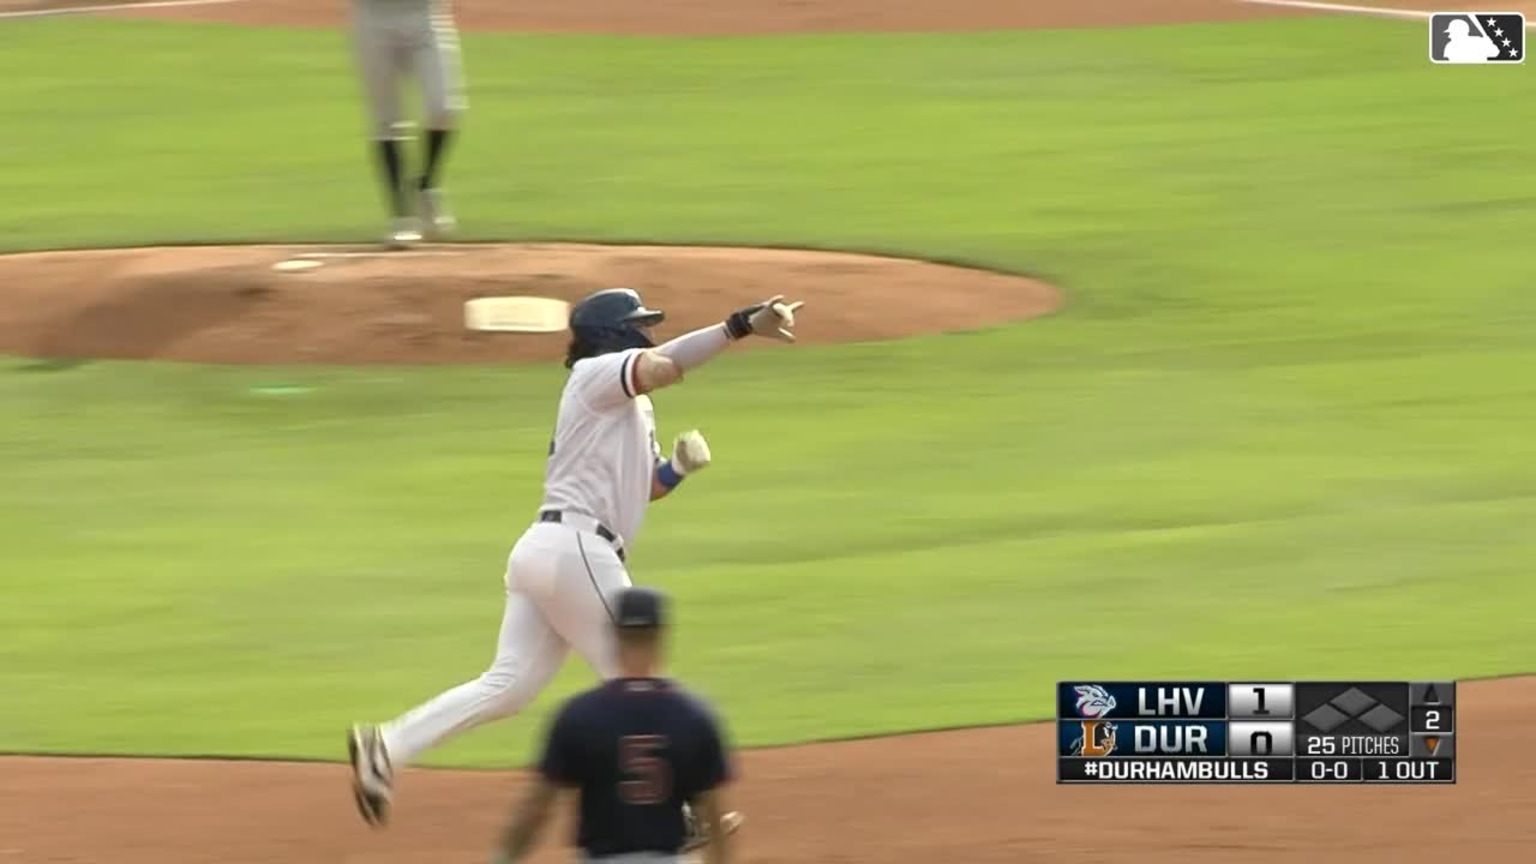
<point x="604" y="467"/>
<point x="638" y="750"/>
<point x="392" y="39"/>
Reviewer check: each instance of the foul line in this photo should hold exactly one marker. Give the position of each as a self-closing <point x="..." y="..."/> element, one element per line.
<point x="111" y="7"/>
<point x="1348" y="9"/>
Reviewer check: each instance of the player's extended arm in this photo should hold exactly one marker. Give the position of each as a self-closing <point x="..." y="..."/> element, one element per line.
<point x="523" y="829"/>
<point x="710" y="806"/>
<point x="690" y="453"/>
<point x="665" y="364"/>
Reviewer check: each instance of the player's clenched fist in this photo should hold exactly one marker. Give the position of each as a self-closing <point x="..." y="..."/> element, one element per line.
<point x="774" y="319"/>
<point x="690" y="452"/>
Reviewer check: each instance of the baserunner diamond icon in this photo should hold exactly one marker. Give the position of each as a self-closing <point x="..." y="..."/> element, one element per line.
<point x="1352" y="701"/>
<point x="1381" y="718"/>
<point x="1326" y="719"/>
<point x="1477" y="37"/>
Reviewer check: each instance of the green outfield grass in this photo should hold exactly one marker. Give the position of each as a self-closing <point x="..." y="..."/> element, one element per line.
<point x="1282" y="428"/>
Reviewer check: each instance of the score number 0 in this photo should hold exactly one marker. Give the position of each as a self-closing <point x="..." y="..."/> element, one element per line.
<point x="1330" y="770"/>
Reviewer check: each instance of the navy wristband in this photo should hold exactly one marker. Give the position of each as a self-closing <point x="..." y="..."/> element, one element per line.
<point x="667" y="475"/>
<point x="739" y="325"/>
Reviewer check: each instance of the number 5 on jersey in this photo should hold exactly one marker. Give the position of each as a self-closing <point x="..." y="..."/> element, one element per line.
<point x="650" y="773"/>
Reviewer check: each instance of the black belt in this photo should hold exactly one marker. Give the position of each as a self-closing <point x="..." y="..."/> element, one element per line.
<point x="588" y="856"/>
<point x="602" y="530"/>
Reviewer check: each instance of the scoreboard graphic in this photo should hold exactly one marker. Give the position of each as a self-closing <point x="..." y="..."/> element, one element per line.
<point x="1260" y="732"/>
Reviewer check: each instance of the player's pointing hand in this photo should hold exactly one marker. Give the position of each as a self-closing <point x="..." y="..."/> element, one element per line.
<point x="774" y="319"/>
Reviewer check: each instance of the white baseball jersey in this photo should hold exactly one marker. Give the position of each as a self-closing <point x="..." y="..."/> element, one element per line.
<point x="604" y="452"/>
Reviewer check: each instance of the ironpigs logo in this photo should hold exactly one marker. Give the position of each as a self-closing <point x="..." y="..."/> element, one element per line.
<point x="1098" y="739"/>
<point x="1093" y="701"/>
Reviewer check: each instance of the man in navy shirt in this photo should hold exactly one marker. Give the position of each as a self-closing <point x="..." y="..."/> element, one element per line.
<point x="646" y="757"/>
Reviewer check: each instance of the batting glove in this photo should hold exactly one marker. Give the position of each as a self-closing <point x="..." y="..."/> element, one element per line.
<point x="690" y="452"/>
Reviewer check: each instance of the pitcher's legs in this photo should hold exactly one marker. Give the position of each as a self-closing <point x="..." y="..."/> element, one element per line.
<point x="528" y="654"/>
<point x="382" y="62"/>
<point x="439" y="66"/>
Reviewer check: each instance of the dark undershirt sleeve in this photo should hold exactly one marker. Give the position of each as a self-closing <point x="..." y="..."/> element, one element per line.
<point x="714" y="762"/>
<point x="560" y="763"/>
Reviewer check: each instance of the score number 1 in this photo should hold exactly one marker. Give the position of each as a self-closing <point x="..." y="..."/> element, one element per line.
<point x="1256" y="701"/>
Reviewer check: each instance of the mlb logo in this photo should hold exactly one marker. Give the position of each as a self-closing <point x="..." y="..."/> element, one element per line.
<point x="1477" y="37"/>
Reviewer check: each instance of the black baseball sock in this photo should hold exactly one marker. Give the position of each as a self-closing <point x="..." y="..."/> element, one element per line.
<point x="394" y="170"/>
<point x="437" y="145"/>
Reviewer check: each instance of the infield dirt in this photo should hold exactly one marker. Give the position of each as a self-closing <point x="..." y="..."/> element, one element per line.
<point x="363" y="305"/>
<point x="975" y="796"/>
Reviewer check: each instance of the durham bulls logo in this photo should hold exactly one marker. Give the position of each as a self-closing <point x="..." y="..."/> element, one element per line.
<point x="1098" y="739"/>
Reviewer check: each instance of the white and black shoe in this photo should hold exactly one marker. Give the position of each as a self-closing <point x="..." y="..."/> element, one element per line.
<point x="698" y="833"/>
<point x="436" y="219"/>
<point x="404" y="233"/>
<point x="372" y="778"/>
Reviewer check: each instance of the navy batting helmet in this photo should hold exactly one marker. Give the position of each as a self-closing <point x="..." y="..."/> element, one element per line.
<point x="610" y="320"/>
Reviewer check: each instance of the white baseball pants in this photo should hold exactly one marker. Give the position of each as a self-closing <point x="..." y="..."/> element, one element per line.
<point x="559" y="580"/>
<point x="394" y="38"/>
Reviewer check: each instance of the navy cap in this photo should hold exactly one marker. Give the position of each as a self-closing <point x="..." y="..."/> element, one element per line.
<point x="639" y="607"/>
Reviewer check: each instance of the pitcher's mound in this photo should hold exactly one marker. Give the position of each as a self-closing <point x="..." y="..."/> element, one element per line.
<point x="349" y="305"/>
